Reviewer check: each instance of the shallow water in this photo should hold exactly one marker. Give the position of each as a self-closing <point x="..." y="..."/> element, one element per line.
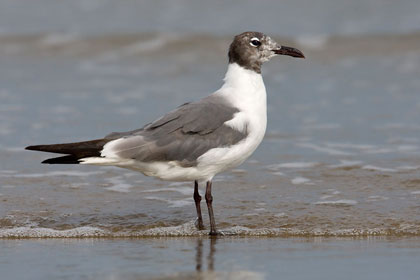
<point x="341" y="154"/>
<point x="203" y="258"/>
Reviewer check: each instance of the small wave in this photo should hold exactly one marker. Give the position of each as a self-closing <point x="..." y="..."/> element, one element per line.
<point x="280" y="215"/>
<point x="118" y="185"/>
<point x="182" y="190"/>
<point x="54" y="39"/>
<point x="29" y="232"/>
<point x="330" y="151"/>
<point x="212" y="275"/>
<point x="122" y="188"/>
<point x="340" y="202"/>
<point x="381" y="150"/>
<point x="189" y="229"/>
<point x="141" y="46"/>
<point x="371" y="149"/>
<point x="297" y="165"/>
<point x="351" y="146"/>
<point x="346" y="164"/>
<point x="376" y="168"/>
<point x="301" y="180"/>
<point x="172" y="202"/>
<point x="408" y="167"/>
<point x="373" y="198"/>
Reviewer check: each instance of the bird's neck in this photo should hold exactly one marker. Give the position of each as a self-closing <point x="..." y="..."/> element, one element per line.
<point x="243" y="87"/>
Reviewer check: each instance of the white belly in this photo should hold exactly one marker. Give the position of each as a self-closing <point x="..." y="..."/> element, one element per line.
<point x="221" y="159"/>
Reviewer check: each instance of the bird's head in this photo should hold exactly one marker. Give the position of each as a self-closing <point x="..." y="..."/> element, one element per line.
<point x="251" y="49"/>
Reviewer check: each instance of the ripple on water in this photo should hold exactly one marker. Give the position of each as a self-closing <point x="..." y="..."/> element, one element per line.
<point x="182" y="190"/>
<point x="301" y="180"/>
<point x="327" y="150"/>
<point x="172" y="202"/>
<point x="373" y="198"/>
<point x="291" y="165"/>
<point x="377" y="168"/>
<point x="346" y="164"/>
<point x="340" y="202"/>
<point x="118" y="185"/>
<point x="408" y="167"/>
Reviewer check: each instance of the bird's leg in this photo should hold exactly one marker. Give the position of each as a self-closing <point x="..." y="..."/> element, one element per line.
<point x="197" y="200"/>
<point x="209" y="201"/>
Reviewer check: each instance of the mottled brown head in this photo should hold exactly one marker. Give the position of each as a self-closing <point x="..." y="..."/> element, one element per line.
<point x="251" y="49"/>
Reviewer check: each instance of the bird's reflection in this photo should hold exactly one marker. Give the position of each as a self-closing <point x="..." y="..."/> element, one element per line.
<point x="199" y="255"/>
<point x="210" y="256"/>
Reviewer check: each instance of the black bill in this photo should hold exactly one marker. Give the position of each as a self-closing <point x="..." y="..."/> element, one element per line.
<point x="289" y="51"/>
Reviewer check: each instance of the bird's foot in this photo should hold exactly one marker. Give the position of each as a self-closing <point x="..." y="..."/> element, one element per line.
<point x="199" y="224"/>
<point x="215" y="233"/>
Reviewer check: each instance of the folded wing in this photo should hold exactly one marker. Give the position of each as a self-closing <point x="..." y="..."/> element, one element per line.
<point x="182" y="135"/>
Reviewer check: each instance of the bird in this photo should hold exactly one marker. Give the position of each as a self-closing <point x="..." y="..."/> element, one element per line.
<point x="197" y="140"/>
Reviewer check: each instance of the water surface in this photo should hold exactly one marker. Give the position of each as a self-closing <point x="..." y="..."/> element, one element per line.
<point x="226" y="258"/>
<point x="341" y="154"/>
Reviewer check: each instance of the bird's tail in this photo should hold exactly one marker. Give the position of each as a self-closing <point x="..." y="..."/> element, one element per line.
<point x="73" y="151"/>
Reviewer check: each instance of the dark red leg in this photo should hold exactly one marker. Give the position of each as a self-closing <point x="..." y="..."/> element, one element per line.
<point x="209" y="201"/>
<point x="197" y="200"/>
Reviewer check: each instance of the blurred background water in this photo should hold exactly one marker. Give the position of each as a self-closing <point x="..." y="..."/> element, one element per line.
<point x="286" y="17"/>
<point x="341" y="156"/>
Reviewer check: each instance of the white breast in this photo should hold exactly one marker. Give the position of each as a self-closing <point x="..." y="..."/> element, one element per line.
<point x="246" y="91"/>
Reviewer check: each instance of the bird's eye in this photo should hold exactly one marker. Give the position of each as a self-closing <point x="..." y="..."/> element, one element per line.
<point x="255" y="42"/>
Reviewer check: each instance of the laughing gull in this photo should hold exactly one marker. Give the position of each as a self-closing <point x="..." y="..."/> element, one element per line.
<point x="197" y="140"/>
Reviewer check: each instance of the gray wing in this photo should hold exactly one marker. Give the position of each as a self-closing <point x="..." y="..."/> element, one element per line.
<point x="182" y="135"/>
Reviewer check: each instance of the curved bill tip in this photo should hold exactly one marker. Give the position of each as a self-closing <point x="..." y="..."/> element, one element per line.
<point x="289" y="51"/>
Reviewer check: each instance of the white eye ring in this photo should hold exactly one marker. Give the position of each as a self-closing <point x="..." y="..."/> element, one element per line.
<point x="255" y="42"/>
